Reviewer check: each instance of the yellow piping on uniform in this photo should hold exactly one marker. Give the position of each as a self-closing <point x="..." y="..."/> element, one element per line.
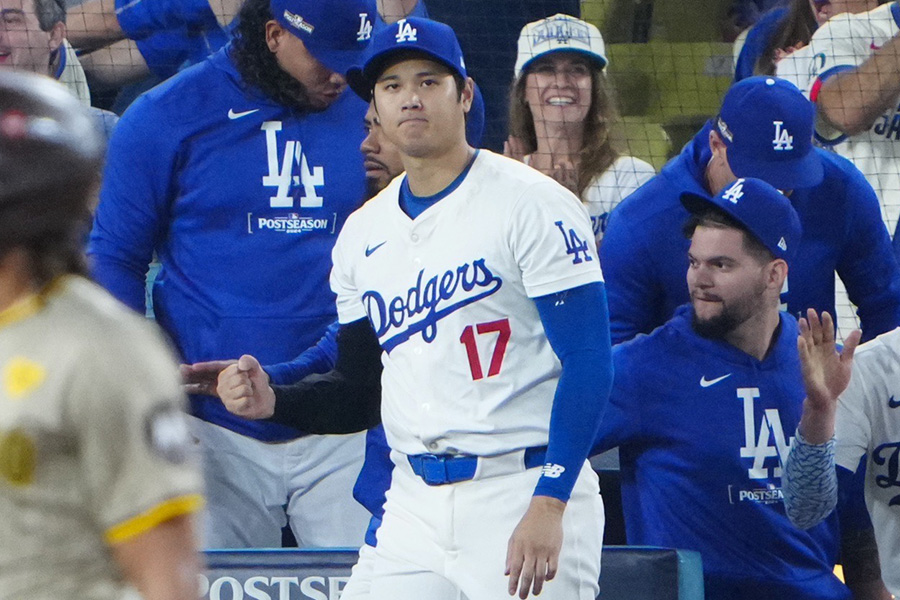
<point x="32" y="303"/>
<point x="149" y="519"/>
<point x="21" y="310"/>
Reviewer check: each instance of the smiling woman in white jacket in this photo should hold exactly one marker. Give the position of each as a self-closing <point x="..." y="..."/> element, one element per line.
<point x="561" y="111"/>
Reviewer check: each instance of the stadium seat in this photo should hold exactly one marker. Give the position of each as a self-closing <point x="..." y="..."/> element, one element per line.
<point x="671" y="22"/>
<point x="665" y="80"/>
<point x="678" y="85"/>
<point x="647" y="140"/>
<point x="620" y="21"/>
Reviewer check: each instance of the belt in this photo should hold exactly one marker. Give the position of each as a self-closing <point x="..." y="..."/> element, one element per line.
<point x="441" y="469"/>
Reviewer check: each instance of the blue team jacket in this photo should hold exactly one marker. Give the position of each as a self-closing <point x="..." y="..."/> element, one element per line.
<point x="702" y="430"/>
<point x="242" y="200"/>
<point x="644" y="253"/>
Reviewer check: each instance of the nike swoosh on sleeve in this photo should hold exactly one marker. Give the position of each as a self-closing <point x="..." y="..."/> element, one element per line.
<point x="371" y="250"/>
<point x="704" y="382"/>
<point x="237" y="115"/>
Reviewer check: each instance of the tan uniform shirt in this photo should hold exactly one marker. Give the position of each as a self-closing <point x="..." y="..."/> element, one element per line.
<point x="94" y="450"/>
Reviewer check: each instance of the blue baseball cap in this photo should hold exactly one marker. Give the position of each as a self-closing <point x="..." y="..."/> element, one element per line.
<point x="335" y="32"/>
<point x="767" y="125"/>
<point x="434" y="40"/>
<point x="763" y="210"/>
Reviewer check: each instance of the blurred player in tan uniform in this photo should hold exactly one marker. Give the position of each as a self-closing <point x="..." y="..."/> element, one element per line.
<point x="96" y="483"/>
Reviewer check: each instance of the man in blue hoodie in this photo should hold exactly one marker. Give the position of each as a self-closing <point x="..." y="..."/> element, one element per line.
<point x="238" y="173"/>
<point x="764" y="129"/>
<point x="728" y="358"/>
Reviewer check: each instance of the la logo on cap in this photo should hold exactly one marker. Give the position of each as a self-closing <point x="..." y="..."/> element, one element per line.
<point x="561" y="31"/>
<point x="365" y="28"/>
<point x="783" y="140"/>
<point x="406" y="32"/>
<point x="735" y="192"/>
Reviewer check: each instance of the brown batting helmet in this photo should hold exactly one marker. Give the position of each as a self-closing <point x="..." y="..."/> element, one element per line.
<point x="50" y="158"/>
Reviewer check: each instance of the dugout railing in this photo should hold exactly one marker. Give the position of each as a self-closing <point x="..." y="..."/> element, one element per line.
<point x="628" y="573"/>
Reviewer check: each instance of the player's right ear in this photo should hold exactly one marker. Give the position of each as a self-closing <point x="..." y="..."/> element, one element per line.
<point x="57" y="35"/>
<point x="468" y="94"/>
<point x="274" y="34"/>
<point x="777" y="274"/>
<point x="715" y="141"/>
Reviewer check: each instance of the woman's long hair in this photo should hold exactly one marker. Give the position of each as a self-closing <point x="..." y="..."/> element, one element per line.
<point x="795" y="28"/>
<point x="597" y="151"/>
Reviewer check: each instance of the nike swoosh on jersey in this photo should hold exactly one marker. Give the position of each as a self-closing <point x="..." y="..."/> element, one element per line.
<point x="893" y="403"/>
<point x="371" y="250"/>
<point x="704" y="382"/>
<point x="237" y="115"/>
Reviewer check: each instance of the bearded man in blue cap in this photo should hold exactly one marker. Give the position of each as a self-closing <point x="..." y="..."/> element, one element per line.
<point x="238" y="173"/>
<point x="703" y="409"/>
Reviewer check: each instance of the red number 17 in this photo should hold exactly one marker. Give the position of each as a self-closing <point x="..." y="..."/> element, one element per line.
<point x="467" y="338"/>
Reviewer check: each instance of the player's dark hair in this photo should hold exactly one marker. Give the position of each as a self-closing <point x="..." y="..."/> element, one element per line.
<point x="598" y="150"/>
<point x="403" y="55"/>
<point x="257" y="64"/>
<point x="50" y="258"/>
<point x="795" y="28"/>
<point x="49" y="13"/>
<point x="719" y="219"/>
<point x="49" y="224"/>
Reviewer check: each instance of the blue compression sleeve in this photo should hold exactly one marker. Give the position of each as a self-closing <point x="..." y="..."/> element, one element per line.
<point x="141" y="18"/>
<point x="810" y="482"/>
<point x="577" y="325"/>
<point x="851" y="504"/>
<point x="315" y="360"/>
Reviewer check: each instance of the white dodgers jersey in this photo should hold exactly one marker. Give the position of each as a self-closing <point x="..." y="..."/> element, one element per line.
<point x="795" y="67"/>
<point x="467" y="364"/>
<point x="844" y="43"/>
<point x="868" y="421"/>
<point x="612" y="186"/>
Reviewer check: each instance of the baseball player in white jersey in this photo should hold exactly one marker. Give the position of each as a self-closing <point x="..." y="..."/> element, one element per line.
<point x="852" y="409"/>
<point x="855" y="83"/>
<point x="97" y="487"/>
<point x="474" y="281"/>
<point x="795" y="67"/>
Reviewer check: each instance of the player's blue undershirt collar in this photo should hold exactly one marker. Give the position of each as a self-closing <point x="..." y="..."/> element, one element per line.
<point x="414" y="205"/>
